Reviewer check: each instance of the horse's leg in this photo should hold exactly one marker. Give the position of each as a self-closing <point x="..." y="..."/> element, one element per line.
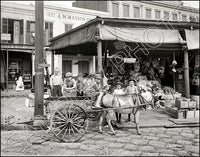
<point x="136" y="121"/>
<point x="110" y="126"/>
<point x="117" y="117"/>
<point x="109" y="115"/>
<point x="120" y="115"/>
<point x="100" y="123"/>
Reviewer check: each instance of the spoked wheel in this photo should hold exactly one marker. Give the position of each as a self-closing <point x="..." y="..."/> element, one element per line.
<point x="69" y="123"/>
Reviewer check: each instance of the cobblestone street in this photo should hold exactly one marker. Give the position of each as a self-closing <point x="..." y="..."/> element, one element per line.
<point x="152" y="142"/>
<point x="155" y="141"/>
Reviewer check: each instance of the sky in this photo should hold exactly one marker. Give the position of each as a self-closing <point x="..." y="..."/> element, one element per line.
<point x="191" y="3"/>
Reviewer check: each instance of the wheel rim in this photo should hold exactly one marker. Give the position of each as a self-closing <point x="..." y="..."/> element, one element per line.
<point x="69" y="123"/>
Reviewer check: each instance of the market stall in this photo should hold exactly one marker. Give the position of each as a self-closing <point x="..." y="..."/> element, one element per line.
<point x="147" y="41"/>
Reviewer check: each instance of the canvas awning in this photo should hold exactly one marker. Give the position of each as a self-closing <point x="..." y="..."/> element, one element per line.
<point x="141" y="35"/>
<point x="115" y="29"/>
<point x="192" y="38"/>
<point x="108" y="33"/>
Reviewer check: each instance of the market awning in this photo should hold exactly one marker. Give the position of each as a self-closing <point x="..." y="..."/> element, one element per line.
<point x="165" y="34"/>
<point x="141" y="35"/>
<point x="192" y="38"/>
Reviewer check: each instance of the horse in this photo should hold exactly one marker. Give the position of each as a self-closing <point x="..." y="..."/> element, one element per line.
<point x="127" y="103"/>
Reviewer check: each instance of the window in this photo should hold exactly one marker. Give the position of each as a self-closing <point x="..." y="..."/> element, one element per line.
<point x="14" y="28"/>
<point x="126" y="10"/>
<point x="68" y="27"/>
<point x="192" y="19"/>
<point x="49" y="27"/>
<point x="174" y="17"/>
<point x="184" y="17"/>
<point x="136" y="12"/>
<point x="166" y="16"/>
<point x="148" y="13"/>
<point x="115" y="10"/>
<point x="157" y="14"/>
<point x="30" y="30"/>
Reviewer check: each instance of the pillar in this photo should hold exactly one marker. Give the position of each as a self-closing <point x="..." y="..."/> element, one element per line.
<point x="94" y="64"/>
<point x="7" y="59"/>
<point x="39" y="69"/>
<point x="186" y="74"/>
<point x="99" y="56"/>
<point x="52" y="62"/>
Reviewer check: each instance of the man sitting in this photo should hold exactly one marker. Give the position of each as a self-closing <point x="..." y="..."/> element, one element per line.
<point x="69" y="85"/>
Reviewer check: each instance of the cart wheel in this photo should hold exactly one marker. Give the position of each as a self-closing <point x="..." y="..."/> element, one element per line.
<point x="69" y="123"/>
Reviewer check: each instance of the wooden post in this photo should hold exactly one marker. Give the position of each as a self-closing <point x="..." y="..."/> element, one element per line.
<point x="94" y="64"/>
<point x="52" y="62"/>
<point x="174" y="57"/>
<point x="99" y="54"/>
<point x="186" y="74"/>
<point x="39" y="70"/>
<point x="7" y="59"/>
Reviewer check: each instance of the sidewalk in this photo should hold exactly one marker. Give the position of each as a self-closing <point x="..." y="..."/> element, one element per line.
<point x="13" y="104"/>
<point x="13" y="93"/>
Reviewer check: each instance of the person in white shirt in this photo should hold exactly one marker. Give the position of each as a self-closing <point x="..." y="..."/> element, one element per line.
<point x="56" y="83"/>
<point x="118" y="91"/>
<point x="131" y="89"/>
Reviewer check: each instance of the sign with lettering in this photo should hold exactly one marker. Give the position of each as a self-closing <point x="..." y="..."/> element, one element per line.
<point x="5" y="36"/>
<point x="67" y="16"/>
<point x="129" y="60"/>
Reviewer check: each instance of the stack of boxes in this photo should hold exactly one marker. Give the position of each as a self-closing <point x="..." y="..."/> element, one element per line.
<point x="183" y="108"/>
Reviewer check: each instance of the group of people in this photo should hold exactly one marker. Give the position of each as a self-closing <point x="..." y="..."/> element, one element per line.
<point x="83" y="85"/>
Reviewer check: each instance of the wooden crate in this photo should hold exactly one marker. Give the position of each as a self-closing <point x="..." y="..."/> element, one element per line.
<point x="174" y="112"/>
<point x="196" y="114"/>
<point x="189" y="114"/>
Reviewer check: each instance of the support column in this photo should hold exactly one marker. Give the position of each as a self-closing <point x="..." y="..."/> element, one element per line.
<point x="186" y="74"/>
<point x="174" y="58"/>
<point x="24" y="31"/>
<point x="52" y="62"/>
<point x="99" y="54"/>
<point x="94" y="64"/>
<point x="7" y="59"/>
<point x="39" y="69"/>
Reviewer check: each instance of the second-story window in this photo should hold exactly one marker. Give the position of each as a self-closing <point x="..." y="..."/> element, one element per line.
<point x="174" y="17"/>
<point x="192" y="19"/>
<point x="14" y="28"/>
<point x="136" y="12"/>
<point x="30" y="32"/>
<point x="49" y="27"/>
<point x="166" y="15"/>
<point x="115" y="10"/>
<point x="184" y="17"/>
<point x="148" y="13"/>
<point x="125" y="10"/>
<point x="68" y="27"/>
<point x="157" y="14"/>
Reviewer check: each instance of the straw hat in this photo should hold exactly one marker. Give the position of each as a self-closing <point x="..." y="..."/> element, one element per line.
<point x="98" y="76"/>
<point x="69" y="74"/>
<point x="56" y="69"/>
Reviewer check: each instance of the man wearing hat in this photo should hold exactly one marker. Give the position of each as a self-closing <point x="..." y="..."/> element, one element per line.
<point x="69" y="84"/>
<point x="56" y="83"/>
<point x="101" y="87"/>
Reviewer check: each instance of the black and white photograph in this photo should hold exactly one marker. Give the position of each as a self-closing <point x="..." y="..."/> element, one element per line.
<point x="100" y="78"/>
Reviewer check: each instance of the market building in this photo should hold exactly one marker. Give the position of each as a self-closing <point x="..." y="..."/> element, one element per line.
<point x="150" y="10"/>
<point x="17" y="39"/>
<point x="117" y="42"/>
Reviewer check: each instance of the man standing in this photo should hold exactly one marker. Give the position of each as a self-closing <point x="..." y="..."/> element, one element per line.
<point x="56" y="83"/>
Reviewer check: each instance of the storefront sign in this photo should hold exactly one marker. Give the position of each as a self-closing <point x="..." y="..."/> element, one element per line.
<point x="67" y="16"/>
<point x="129" y="60"/>
<point x="5" y="36"/>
